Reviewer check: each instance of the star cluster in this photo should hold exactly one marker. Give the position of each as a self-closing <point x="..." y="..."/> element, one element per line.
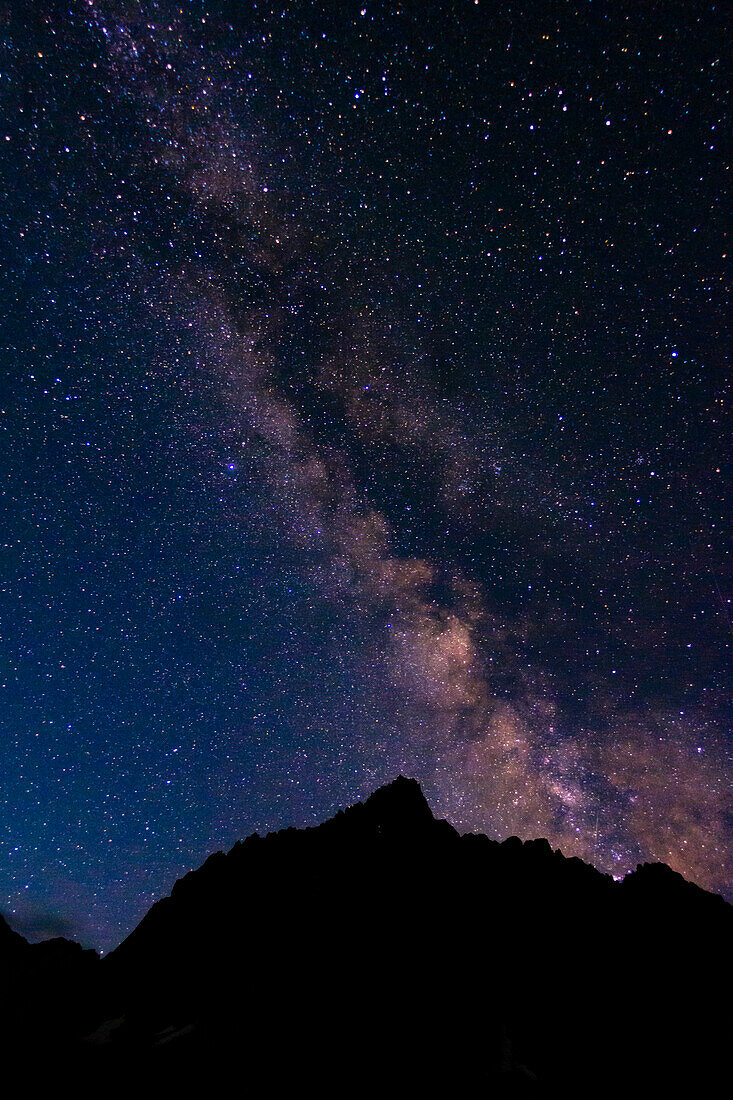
<point x="362" y="412"/>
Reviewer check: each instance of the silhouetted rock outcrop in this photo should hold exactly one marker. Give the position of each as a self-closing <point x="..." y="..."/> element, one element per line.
<point x="382" y="952"/>
<point x="50" y="993"/>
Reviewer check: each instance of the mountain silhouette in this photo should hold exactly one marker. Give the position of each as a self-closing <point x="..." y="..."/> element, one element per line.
<point x="382" y="953"/>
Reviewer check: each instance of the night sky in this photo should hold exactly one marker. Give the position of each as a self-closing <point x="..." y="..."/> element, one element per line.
<point x="362" y="413"/>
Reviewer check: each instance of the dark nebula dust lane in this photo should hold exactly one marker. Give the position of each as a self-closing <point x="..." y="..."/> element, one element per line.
<point x="362" y="413"/>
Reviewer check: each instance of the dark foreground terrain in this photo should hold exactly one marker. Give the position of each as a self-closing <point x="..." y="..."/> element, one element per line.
<point x="383" y="954"/>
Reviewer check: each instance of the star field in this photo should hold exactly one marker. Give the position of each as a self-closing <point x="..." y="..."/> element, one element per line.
<point x="361" y="413"/>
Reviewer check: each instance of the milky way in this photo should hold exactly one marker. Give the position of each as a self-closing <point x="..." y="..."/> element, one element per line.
<point x="362" y="415"/>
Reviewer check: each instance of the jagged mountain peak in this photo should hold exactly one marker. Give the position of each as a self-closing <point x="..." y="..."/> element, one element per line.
<point x="400" y="803"/>
<point x="384" y="939"/>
